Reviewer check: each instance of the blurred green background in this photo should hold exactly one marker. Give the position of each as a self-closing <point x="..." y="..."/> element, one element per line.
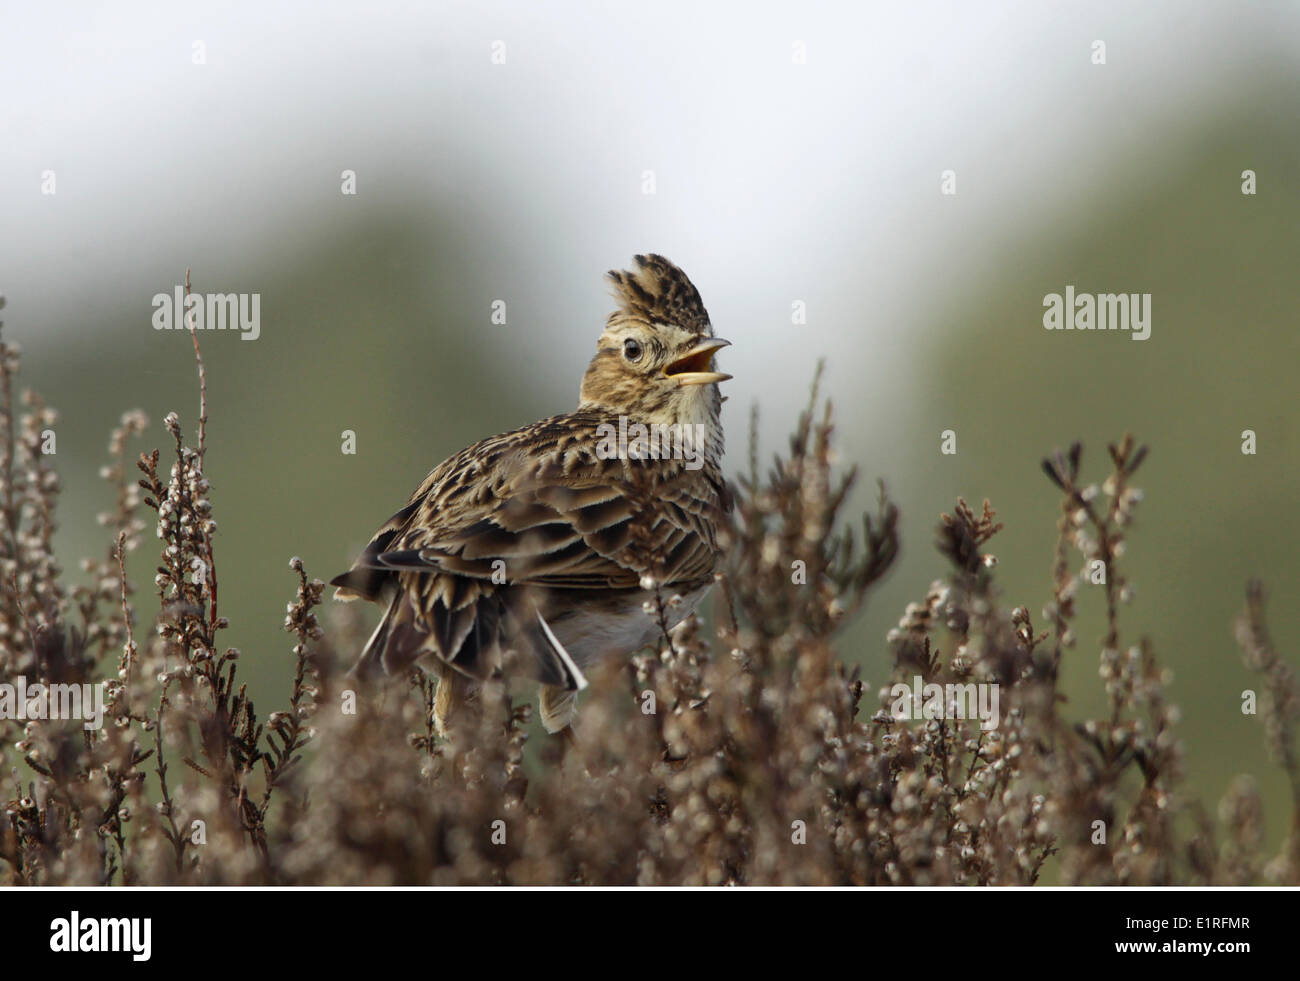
<point x="775" y="182"/>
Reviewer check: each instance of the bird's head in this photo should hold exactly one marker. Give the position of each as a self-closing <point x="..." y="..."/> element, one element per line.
<point x="654" y="361"/>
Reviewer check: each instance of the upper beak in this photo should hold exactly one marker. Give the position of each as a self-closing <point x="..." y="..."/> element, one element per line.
<point x="692" y="368"/>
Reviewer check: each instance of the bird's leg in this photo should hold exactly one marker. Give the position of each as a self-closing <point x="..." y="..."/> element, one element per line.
<point x="454" y="691"/>
<point x="556" y="707"/>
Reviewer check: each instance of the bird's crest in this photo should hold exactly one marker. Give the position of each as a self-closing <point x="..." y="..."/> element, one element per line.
<point x="657" y="292"/>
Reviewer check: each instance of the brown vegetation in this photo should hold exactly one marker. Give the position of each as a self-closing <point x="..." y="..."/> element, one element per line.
<point x="743" y="752"/>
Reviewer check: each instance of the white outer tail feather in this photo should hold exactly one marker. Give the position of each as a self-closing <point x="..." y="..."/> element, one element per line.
<point x="579" y="678"/>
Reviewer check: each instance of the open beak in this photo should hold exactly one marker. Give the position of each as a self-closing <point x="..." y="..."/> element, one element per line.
<point x="692" y="368"/>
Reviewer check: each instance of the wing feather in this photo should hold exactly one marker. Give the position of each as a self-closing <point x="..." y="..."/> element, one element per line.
<point x="540" y="501"/>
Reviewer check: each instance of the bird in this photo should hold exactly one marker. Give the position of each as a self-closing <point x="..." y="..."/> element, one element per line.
<point x="583" y="536"/>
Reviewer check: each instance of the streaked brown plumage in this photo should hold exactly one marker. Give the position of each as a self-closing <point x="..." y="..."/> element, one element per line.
<point x="534" y="546"/>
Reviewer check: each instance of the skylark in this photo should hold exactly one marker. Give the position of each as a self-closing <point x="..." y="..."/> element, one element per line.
<point x="540" y="550"/>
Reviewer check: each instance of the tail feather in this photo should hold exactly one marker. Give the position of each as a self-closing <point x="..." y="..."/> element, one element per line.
<point x="394" y="646"/>
<point x="560" y="663"/>
<point x="472" y="641"/>
<point x="369" y="664"/>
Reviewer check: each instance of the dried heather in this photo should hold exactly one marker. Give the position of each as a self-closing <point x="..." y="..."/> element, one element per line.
<point x="741" y="750"/>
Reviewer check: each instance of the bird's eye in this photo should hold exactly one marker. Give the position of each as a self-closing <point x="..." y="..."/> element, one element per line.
<point x="632" y="349"/>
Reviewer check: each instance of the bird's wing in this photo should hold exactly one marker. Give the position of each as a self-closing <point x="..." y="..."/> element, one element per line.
<point x="533" y="508"/>
<point x="545" y="519"/>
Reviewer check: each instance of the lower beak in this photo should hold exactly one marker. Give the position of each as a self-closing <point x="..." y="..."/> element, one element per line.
<point x="692" y="368"/>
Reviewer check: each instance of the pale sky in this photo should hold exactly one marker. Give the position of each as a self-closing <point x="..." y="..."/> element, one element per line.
<point x="773" y="180"/>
